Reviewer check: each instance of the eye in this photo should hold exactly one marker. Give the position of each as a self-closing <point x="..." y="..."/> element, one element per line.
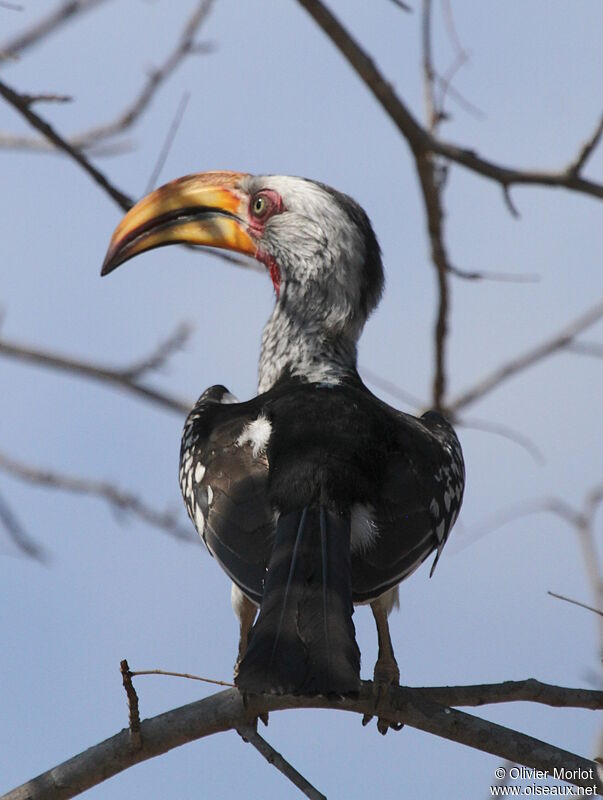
<point x="261" y="205"/>
<point x="264" y="204"/>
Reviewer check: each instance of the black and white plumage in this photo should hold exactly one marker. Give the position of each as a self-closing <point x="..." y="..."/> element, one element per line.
<point x="315" y="494"/>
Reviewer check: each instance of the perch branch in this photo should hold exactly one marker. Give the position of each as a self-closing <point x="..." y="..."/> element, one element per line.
<point x="227" y="710"/>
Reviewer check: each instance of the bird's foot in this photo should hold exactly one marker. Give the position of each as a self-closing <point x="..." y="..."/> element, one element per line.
<point x="385" y="675"/>
<point x="264" y="716"/>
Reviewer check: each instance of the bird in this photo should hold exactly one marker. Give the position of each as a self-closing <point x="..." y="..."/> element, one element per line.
<point x="315" y="495"/>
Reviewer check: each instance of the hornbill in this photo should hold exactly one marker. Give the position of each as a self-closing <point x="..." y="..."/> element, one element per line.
<point x="315" y="495"/>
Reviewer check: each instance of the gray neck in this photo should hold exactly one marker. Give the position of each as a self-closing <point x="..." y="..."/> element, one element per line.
<point x="305" y="349"/>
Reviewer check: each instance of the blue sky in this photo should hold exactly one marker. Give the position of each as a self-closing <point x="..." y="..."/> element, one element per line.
<point x="275" y="97"/>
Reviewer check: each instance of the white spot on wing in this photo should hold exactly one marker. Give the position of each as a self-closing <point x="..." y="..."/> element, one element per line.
<point x="199" y="472"/>
<point x="199" y="521"/>
<point x="210" y="495"/>
<point x="364" y="530"/>
<point x="256" y="433"/>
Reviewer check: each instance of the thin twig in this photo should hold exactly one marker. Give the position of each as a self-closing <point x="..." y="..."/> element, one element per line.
<point x="46" y="25"/>
<point x="576" y="603"/>
<point x="593" y="349"/>
<point x="249" y="734"/>
<point x="125" y="378"/>
<point x="403" y="6"/>
<point x="46" y="97"/>
<point x="169" y="140"/>
<point x="391" y="388"/>
<point x="581" y="520"/>
<point x="499" y="429"/>
<point x="156" y="360"/>
<point x="17" y="532"/>
<point x="432" y="111"/>
<point x="186" y="675"/>
<point x="528" y="359"/>
<point x="587" y="149"/>
<point x="508" y="277"/>
<point x="157" y="76"/>
<point x="118" y="499"/>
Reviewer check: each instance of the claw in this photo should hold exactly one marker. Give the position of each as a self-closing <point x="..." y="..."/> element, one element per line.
<point x="386" y="671"/>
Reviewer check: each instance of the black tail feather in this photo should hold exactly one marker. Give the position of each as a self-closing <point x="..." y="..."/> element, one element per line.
<point x="304" y="641"/>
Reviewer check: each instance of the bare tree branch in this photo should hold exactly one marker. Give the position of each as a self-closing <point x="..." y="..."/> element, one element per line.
<point x="185" y="45"/>
<point x="419" y="139"/>
<point x="249" y="734"/>
<point x="499" y="429"/>
<point x="403" y="6"/>
<point x="593" y="349"/>
<point x="581" y="520"/>
<point x="46" y="25"/>
<point x="587" y="149"/>
<point x="528" y="359"/>
<point x="529" y="690"/>
<point x="228" y="710"/>
<point x="126" y="378"/>
<point x="118" y="499"/>
<point x="23" y="107"/>
<point x="17" y="533"/>
<point x="576" y="603"/>
<point x="91" y="138"/>
<point x="509" y="277"/>
<point x="391" y="388"/>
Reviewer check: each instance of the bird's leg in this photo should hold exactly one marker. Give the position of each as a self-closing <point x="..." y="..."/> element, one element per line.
<point x="386" y="671"/>
<point x="245" y="611"/>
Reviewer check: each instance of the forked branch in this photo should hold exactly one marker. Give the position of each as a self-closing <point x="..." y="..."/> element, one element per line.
<point x="227" y="710"/>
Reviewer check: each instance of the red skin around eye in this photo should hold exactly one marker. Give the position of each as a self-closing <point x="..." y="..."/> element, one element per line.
<point x="275" y="206"/>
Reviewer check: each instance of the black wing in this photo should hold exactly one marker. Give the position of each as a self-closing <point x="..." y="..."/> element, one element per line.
<point x="415" y="507"/>
<point x="223" y="477"/>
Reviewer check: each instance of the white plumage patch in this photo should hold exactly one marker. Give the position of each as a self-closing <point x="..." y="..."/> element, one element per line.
<point x="256" y="433"/>
<point x="199" y="521"/>
<point x="364" y="530"/>
<point x="228" y="399"/>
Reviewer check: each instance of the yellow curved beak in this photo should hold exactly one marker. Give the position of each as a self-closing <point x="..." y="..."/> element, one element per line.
<point x="204" y="209"/>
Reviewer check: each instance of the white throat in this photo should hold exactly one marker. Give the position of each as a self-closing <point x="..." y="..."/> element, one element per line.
<point x="305" y="350"/>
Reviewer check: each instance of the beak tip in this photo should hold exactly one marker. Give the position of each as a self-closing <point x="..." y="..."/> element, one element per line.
<point x="110" y="263"/>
